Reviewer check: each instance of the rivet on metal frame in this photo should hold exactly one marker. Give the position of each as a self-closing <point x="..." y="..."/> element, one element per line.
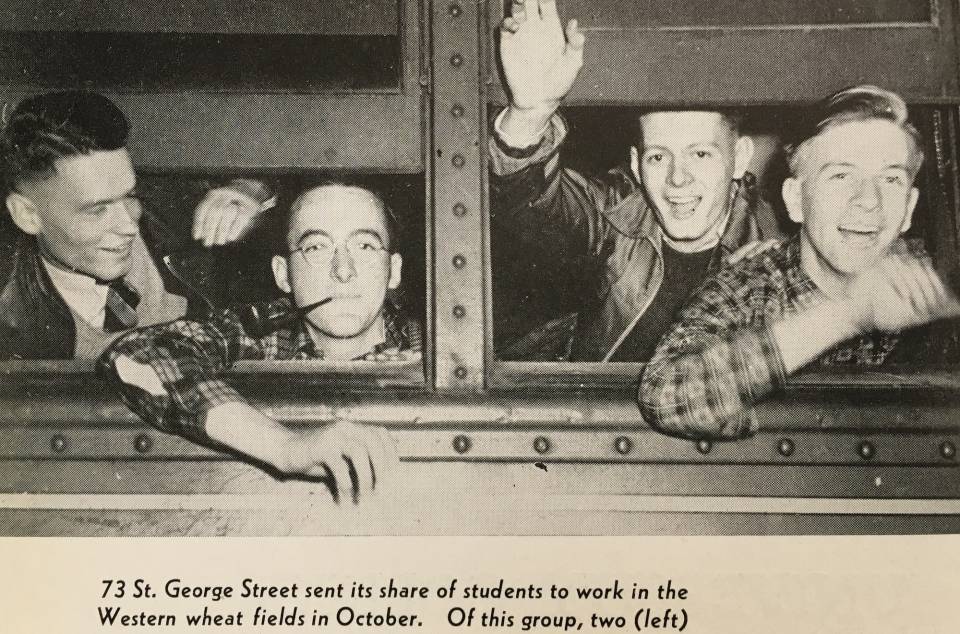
<point x="461" y="443"/>
<point x="623" y="445"/>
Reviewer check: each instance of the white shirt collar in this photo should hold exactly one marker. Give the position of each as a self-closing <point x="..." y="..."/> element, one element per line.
<point x="82" y="294"/>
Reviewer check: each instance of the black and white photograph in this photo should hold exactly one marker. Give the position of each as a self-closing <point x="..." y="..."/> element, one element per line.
<point x="473" y="268"/>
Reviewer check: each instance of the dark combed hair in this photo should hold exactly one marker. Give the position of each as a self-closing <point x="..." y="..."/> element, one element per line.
<point x="50" y="126"/>
<point x="857" y="103"/>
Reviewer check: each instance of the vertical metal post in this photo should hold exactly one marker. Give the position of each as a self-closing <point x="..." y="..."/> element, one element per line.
<point x="458" y="150"/>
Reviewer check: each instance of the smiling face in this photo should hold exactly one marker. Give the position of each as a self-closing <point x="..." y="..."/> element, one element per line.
<point x="853" y="192"/>
<point x="85" y="215"/>
<point x="339" y="244"/>
<point x="686" y="162"/>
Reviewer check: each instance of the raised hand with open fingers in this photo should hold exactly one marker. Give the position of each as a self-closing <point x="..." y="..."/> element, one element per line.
<point x="900" y="292"/>
<point x="540" y="58"/>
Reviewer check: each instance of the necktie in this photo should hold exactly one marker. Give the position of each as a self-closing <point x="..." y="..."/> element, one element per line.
<point x="121" y="309"/>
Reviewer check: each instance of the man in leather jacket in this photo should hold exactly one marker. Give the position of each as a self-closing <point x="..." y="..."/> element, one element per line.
<point x="621" y="251"/>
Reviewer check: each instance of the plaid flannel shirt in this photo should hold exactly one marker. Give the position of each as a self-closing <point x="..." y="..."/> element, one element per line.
<point x="188" y="357"/>
<point x="720" y="358"/>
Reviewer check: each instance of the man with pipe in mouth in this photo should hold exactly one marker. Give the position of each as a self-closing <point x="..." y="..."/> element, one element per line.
<point x="339" y="258"/>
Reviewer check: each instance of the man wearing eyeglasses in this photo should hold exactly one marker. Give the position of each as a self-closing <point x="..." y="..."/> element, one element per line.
<point x="340" y="248"/>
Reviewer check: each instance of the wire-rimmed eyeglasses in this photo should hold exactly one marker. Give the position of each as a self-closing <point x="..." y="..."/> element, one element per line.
<point x="364" y="250"/>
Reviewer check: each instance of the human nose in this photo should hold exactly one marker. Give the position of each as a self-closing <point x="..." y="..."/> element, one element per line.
<point x="342" y="267"/>
<point x="679" y="175"/>
<point x="867" y="195"/>
<point x="126" y="216"/>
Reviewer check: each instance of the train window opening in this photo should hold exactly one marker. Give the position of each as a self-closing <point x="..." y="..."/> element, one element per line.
<point x="535" y="319"/>
<point x="245" y="266"/>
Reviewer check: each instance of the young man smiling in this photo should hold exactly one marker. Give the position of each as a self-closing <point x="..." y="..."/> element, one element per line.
<point x="340" y="245"/>
<point x="82" y="271"/>
<point x="623" y="250"/>
<point x="840" y="292"/>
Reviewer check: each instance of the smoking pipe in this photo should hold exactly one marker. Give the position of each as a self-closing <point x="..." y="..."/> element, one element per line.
<point x="264" y="319"/>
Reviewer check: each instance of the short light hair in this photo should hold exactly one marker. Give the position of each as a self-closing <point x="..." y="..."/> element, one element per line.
<point x="389" y="218"/>
<point x="858" y="103"/>
<point x="733" y="117"/>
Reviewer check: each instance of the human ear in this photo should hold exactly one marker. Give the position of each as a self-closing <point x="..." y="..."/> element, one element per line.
<point x="635" y="163"/>
<point x="281" y="273"/>
<point x="24" y="213"/>
<point x="742" y="155"/>
<point x="396" y="265"/>
<point x="793" y="198"/>
<point x="911" y="205"/>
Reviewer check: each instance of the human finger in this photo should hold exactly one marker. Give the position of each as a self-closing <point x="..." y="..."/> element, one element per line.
<point x="915" y="288"/>
<point x="200" y="213"/>
<point x="510" y="24"/>
<point x="744" y="252"/>
<point x="391" y="456"/>
<point x="944" y="302"/>
<point x="240" y="226"/>
<point x="751" y="250"/>
<point x="931" y="288"/>
<point x="575" y="37"/>
<point x="217" y="205"/>
<point x="357" y="456"/>
<point x="898" y="278"/>
<point x="224" y="224"/>
<point x="548" y="11"/>
<point x="383" y="455"/>
<point x="327" y="449"/>
<point x="532" y="9"/>
<point x="341" y="484"/>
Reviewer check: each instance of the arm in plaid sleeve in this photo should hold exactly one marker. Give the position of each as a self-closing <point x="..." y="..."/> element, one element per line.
<point x="186" y="357"/>
<point x="711" y="368"/>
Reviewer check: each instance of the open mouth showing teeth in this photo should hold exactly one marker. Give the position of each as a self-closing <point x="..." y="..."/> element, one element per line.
<point x="859" y="235"/>
<point x="683" y="206"/>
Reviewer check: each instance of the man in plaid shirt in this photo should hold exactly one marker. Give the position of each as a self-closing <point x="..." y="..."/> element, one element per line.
<point x="840" y="291"/>
<point x="340" y="244"/>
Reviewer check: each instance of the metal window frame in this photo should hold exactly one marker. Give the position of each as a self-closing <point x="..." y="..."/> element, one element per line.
<point x="222" y="123"/>
<point x="571" y="442"/>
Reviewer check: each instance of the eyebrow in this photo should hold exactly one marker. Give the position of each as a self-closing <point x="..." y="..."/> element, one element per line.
<point x="832" y="164"/>
<point x="372" y="233"/>
<point x="698" y="144"/>
<point x="309" y="233"/>
<point x="323" y="234"/>
<point x="130" y="193"/>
